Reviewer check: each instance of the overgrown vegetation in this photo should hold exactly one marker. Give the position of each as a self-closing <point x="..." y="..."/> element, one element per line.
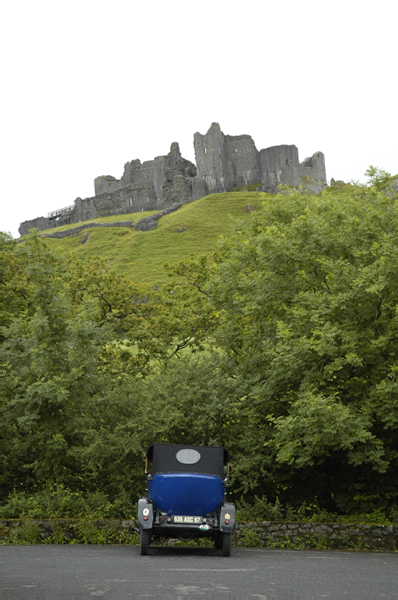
<point x="52" y="503"/>
<point x="280" y="344"/>
<point x="260" y="509"/>
<point x="82" y="531"/>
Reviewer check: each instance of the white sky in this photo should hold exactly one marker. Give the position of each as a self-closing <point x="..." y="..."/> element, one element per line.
<point x="88" y="85"/>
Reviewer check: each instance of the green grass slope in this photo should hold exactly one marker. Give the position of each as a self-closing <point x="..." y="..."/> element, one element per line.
<point x="194" y="228"/>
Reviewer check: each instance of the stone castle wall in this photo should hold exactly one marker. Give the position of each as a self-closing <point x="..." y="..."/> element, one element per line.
<point x="223" y="163"/>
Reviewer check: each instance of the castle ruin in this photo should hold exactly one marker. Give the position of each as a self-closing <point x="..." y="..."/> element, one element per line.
<point x="223" y="164"/>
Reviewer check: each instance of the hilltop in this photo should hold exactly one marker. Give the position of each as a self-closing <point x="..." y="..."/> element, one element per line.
<point x="193" y="228"/>
<point x="140" y="255"/>
<point x="224" y="163"/>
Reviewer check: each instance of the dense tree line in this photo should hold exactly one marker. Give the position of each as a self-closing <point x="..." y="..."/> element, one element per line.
<point x="282" y="346"/>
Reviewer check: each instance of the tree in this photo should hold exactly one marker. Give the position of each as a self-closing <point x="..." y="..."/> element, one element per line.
<point x="78" y="343"/>
<point x="309" y="294"/>
<point x="51" y="370"/>
<point x="377" y="177"/>
<point x="185" y="401"/>
<point x="150" y="325"/>
<point x="61" y="345"/>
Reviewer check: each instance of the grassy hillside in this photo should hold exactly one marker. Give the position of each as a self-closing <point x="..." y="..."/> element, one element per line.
<point x="140" y="255"/>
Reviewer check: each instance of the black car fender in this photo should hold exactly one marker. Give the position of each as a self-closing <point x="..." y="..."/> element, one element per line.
<point x="145" y="513"/>
<point x="227" y="517"/>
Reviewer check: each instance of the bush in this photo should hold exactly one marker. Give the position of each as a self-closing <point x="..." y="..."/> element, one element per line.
<point x="26" y="535"/>
<point x="262" y="510"/>
<point x="63" y="503"/>
<point x="250" y="537"/>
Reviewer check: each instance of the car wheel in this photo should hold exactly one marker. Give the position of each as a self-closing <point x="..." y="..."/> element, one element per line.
<point x="145" y="538"/>
<point x="226" y="544"/>
<point x="218" y="542"/>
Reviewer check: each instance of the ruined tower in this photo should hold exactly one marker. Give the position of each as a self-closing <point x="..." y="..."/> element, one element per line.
<point x="223" y="163"/>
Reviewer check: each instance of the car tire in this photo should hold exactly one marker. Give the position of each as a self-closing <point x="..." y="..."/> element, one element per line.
<point x="145" y="538"/>
<point x="226" y="544"/>
<point x="218" y="542"/>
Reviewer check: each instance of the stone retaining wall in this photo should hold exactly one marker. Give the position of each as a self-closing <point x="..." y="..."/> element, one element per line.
<point x="335" y="536"/>
<point x="144" y="224"/>
<point x="151" y="222"/>
<point x="324" y="535"/>
<point x="75" y="230"/>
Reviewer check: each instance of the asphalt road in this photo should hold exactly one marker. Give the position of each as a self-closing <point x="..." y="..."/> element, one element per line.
<point x="119" y="572"/>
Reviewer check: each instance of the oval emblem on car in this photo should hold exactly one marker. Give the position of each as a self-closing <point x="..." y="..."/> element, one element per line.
<point x="187" y="456"/>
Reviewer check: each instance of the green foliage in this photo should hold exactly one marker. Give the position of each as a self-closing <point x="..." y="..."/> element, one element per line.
<point x="250" y="537"/>
<point x="308" y="293"/>
<point x="282" y="346"/>
<point x="82" y="531"/>
<point x="180" y="403"/>
<point x="45" y="380"/>
<point x="64" y="503"/>
<point x="260" y="509"/>
<point x="87" y="532"/>
<point x="377" y="177"/>
<point x="316" y="425"/>
<point x="28" y="534"/>
<point x="62" y="533"/>
<point x="79" y="343"/>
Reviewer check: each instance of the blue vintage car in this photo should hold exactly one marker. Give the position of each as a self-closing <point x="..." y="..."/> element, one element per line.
<point x="186" y="495"/>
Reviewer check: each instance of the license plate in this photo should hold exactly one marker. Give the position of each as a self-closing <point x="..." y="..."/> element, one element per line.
<point x="185" y="520"/>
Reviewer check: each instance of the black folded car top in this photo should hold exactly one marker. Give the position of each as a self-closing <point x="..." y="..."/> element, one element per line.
<point x="177" y="458"/>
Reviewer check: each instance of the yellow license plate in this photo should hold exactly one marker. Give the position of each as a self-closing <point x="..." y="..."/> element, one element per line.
<point x="186" y="520"/>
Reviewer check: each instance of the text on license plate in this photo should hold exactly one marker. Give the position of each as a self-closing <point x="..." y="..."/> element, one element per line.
<point x="188" y="520"/>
